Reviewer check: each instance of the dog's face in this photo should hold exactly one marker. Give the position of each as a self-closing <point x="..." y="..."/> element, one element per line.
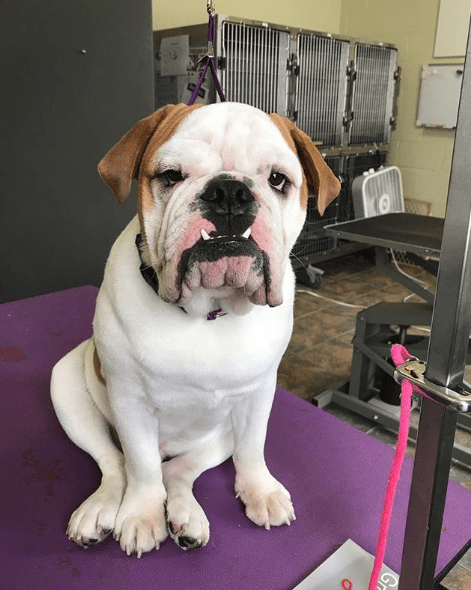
<point x="222" y="196"/>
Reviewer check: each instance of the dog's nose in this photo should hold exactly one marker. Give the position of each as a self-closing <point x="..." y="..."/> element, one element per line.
<point x="230" y="205"/>
<point x="228" y="197"/>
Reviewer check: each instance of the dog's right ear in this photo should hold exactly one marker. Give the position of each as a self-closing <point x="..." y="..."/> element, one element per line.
<point x="121" y="163"/>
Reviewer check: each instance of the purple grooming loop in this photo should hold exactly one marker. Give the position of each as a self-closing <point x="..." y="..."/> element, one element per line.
<point x="209" y="57"/>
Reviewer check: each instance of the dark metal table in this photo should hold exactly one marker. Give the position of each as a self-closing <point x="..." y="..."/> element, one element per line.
<point x="407" y="232"/>
<point x="420" y="237"/>
<point x="376" y="329"/>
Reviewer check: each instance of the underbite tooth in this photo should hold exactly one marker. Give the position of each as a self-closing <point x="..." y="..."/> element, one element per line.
<point x="205" y="235"/>
<point x="247" y="233"/>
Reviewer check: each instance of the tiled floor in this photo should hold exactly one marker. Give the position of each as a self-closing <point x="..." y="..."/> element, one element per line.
<point x="320" y="352"/>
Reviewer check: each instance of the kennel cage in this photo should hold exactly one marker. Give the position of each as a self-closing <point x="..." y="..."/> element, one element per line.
<point x="339" y="90"/>
<point x="313" y="245"/>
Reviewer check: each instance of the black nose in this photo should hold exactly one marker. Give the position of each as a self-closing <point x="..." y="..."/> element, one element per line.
<point x="230" y="205"/>
<point x="228" y="197"/>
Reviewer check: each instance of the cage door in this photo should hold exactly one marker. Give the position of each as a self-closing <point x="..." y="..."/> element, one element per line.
<point x="321" y="87"/>
<point x="254" y="65"/>
<point x="373" y="94"/>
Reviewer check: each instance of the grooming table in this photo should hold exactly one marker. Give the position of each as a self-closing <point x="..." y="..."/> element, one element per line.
<point x="420" y="237"/>
<point x="336" y="475"/>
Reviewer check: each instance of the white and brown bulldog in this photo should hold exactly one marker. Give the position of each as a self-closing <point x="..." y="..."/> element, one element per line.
<point x="190" y="325"/>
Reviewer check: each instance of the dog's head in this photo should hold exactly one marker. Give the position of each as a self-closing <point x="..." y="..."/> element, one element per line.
<point x="222" y="196"/>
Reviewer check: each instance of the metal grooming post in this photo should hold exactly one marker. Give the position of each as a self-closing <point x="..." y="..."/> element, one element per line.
<point x="443" y="377"/>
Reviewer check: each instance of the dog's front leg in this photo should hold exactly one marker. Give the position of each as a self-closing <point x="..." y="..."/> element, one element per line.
<point x="267" y="501"/>
<point x="140" y="522"/>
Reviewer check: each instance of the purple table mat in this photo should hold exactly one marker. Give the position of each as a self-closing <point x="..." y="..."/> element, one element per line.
<point x="336" y="476"/>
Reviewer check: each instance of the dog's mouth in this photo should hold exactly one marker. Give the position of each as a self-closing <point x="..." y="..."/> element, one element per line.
<point x="216" y="261"/>
<point x="214" y="236"/>
<point x="250" y="262"/>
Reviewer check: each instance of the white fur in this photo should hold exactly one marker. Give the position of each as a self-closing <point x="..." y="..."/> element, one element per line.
<point x="177" y="385"/>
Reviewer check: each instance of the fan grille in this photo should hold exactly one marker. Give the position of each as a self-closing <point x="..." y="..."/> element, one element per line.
<point x="383" y="192"/>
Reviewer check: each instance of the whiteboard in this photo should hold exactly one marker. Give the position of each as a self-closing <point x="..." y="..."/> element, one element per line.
<point x="452" y="28"/>
<point x="439" y="99"/>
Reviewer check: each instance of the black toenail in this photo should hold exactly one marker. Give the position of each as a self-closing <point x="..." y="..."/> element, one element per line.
<point x="185" y="541"/>
<point x="170" y="526"/>
<point x="107" y="531"/>
<point x="93" y="541"/>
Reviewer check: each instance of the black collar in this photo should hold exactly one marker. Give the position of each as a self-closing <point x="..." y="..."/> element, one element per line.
<point x="147" y="271"/>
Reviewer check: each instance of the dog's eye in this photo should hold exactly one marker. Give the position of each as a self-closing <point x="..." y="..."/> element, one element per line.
<point x="170" y="177"/>
<point x="277" y="180"/>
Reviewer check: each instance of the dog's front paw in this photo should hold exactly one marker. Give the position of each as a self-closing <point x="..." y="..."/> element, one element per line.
<point x="95" y="518"/>
<point x="140" y="524"/>
<point x="267" y="502"/>
<point x="187" y="522"/>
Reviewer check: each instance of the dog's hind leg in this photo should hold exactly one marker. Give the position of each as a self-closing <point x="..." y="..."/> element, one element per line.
<point x="87" y="427"/>
<point x="187" y="523"/>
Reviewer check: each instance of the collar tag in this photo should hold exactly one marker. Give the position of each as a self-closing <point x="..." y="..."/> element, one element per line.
<point x="216" y="313"/>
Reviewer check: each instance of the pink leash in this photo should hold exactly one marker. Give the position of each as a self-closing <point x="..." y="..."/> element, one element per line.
<point x="399" y="355"/>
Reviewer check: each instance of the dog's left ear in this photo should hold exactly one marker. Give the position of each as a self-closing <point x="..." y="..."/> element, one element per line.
<point x="121" y="163"/>
<point x="321" y="182"/>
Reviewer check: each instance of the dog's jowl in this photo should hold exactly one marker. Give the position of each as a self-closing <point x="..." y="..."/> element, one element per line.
<point x="192" y="319"/>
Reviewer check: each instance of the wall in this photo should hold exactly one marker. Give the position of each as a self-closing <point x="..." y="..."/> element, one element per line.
<point x="424" y="155"/>
<point x="76" y="76"/>
<point x="309" y="14"/>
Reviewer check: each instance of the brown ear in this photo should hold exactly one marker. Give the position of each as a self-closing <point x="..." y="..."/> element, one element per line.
<point x="320" y="179"/>
<point x="121" y="163"/>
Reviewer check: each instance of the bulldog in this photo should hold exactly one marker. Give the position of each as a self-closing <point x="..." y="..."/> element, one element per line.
<point x="192" y="319"/>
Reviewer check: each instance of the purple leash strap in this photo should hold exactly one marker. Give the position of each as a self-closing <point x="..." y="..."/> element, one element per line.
<point x="209" y="63"/>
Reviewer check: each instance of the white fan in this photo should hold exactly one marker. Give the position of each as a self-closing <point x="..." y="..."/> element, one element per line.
<point x="377" y="193"/>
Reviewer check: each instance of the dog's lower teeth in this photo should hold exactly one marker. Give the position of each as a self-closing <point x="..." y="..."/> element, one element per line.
<point x="247" y="233"/>
<point x="205" y="235"/>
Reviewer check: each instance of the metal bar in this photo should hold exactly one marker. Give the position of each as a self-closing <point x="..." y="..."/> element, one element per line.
<point x="270" y="72"/>
<point x="264" y="70"/>
<point x="255" y="61"/>
<point x="427" y="497"/>
<point x="451" y="325"/>
<point x="254" y="97"/>
<point x="382" y="263"/>
<point x="300" y="83"/>
<point x="233" y="63"/>
<point x="313" y="105"/>
<point x="451" y="322"/>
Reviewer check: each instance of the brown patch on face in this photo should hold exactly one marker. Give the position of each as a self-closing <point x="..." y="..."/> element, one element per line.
<point x="97" y="367"/>
<point x="318" y="178"/>
<point x="166" y="129"/>
<point x="124" y="161"/>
